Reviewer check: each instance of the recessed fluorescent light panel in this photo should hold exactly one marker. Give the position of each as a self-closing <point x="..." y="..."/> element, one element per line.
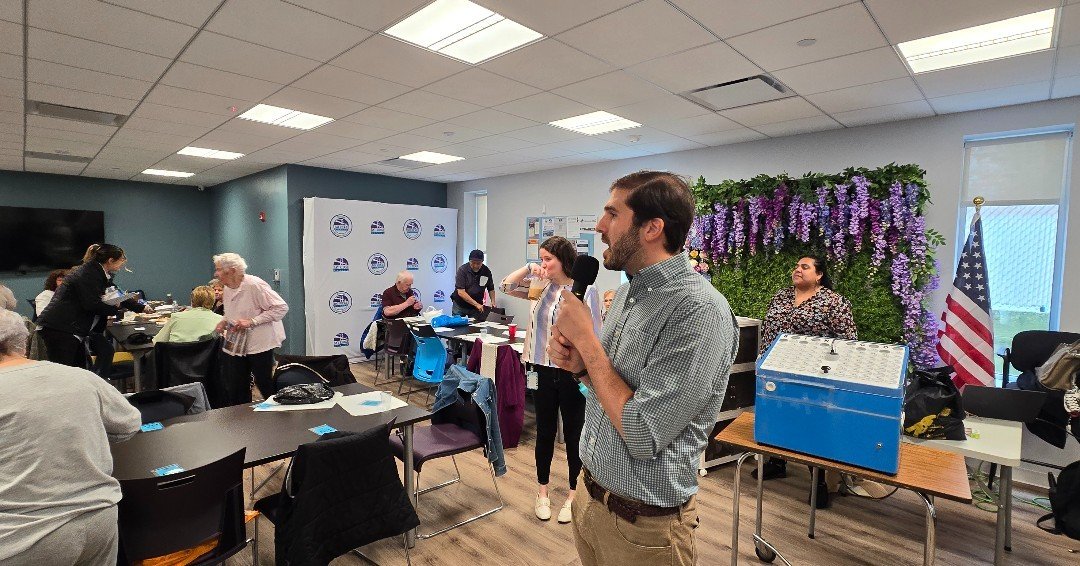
<point x="595" y="123"/>
<point x="276" y="116"/>
<point x="431" y="157"/>
<point x="462" y="30"/>
<point x="996" y="40"/>
<point x="209" y="153"/>
<point x="166" y="173"/>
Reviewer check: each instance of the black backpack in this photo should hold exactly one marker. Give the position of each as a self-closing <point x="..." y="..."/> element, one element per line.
<point x="1064" y="502"/>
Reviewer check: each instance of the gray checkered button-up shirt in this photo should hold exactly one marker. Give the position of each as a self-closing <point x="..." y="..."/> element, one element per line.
<point x="670" y="336"/>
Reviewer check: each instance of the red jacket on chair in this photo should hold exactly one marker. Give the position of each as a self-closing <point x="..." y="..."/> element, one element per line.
<point x="510" y="388"/>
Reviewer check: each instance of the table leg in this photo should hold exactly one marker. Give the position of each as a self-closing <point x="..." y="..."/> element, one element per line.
<point x="735" y="506"/>
<point x="1003" y="534"/>
<point x="136" y="370"/>
<point x="814" y="473"/>
<point x="930" y="546"/>
<point x="410" y="480"/>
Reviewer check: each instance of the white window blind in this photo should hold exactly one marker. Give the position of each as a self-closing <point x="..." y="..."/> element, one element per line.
<point x="1023" y="169"/>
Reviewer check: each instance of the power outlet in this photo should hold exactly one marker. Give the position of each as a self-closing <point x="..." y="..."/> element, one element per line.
<point x="277" y="276"/>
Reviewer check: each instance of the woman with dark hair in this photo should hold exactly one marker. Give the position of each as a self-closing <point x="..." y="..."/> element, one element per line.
<point x="557" y="391"/>
<point x="809" y="307"/>
<point x="71" y="315"/>
<point x="52" y="281"/>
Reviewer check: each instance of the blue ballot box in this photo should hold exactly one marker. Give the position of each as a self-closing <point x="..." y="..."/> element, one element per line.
<point x="836" y="399"/>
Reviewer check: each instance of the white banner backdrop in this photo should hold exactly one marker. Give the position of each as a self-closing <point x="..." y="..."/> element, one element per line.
<point x="353" y="251"/>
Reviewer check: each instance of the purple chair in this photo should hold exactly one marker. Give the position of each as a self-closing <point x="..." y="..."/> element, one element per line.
<point x="454" y="429"/>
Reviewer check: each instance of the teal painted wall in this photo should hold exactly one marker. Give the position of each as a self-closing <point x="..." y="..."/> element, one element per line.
<point x="164" y="229"/>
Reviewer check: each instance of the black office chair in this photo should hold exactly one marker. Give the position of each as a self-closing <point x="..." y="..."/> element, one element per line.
<point x="177" y="512"/>
<point x="157" y="405"/>
<point x="499" y="318"/>
<point x="399" y="346"/>
<point x="33" y="310"/>
<point x="1031" y="348"/>
<point x="177" y="363"/>
<point x="333" y="369"/>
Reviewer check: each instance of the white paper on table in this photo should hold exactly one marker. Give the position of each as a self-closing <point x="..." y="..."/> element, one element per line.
<point x="115" y="301"/>
<point x="413" y="319"/>
<point x="355" y="404"/>
<point x="519" y="347"/>
<point x="489" y="324"/>
<point x="271" y="405"/>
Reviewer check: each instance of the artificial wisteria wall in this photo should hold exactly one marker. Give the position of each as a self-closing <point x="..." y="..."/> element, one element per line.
<point x="868" y="223"/>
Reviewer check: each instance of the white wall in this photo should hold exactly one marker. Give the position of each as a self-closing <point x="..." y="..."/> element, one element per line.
<point x="936" y="144"/>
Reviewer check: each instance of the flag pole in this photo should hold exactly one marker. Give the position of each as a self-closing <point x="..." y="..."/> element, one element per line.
<point x="978" y="202"/>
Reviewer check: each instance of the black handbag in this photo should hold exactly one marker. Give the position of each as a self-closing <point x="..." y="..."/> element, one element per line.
<point x="304" y="394"/>
<point x="932" y="406"/>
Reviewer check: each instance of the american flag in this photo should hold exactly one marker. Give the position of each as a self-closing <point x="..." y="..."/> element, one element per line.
<point x="966" y="340"/>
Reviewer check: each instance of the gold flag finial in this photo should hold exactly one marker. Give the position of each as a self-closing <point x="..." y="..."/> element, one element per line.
<point x="978" y="201"/>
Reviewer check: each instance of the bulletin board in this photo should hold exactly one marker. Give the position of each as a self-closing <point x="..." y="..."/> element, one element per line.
<point x="579" y="229"/>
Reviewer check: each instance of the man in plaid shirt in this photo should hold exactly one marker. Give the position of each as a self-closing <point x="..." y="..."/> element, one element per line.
<point x="657" y="377"/>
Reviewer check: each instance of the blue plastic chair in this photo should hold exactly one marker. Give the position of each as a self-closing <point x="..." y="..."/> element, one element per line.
<point x="429" y="363"/>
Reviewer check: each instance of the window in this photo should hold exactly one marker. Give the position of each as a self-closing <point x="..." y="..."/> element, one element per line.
<point x="1023" y="179"/>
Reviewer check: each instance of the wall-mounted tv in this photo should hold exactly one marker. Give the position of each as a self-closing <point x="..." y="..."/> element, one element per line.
<point x="40" y="239"/>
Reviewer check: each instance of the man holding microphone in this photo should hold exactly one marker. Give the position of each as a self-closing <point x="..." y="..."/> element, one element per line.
<point x="657" y="376"/>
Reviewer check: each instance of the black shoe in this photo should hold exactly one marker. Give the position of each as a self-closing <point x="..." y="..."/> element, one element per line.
<point x="774" y="468"/>
<point x="822" y="488"/>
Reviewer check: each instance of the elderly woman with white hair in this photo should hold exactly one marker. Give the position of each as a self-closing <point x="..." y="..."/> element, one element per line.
<point x="58" y="500"/>
<point x="251" y="306"/>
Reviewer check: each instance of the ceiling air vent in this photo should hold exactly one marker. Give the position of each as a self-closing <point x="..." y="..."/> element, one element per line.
<point x="743" y="92"/>
<point x="72" y="113"/>
<point x="57" y="157"/>
<point x="399" y="163"/>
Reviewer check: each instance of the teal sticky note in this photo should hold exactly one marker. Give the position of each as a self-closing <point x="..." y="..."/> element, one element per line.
<point x="150" y="427"/>
<point x="264" y="405"/>
<point x="167" y="470"/>
<point x="322" y="429"/>
<point x="370" y="403"/>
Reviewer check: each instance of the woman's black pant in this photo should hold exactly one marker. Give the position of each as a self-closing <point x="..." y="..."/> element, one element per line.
<point x="64" y="347"/>
<point x="237" y="374"/>
<point x="556" y="393"/>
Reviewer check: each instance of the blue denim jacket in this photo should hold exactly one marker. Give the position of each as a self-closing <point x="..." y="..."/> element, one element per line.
<point x="482" y="390"/>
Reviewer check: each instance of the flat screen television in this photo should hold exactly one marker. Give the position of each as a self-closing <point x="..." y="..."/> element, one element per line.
<point x="41" y="239"/>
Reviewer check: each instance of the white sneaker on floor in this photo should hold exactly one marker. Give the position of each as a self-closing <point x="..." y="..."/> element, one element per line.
<point x="542" y="507"/>
<point x="565" y="515"/>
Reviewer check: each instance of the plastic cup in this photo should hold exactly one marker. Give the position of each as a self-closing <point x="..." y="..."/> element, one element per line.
<point x="512" y="331"/>
<point x="536" y="288"/>
<point x="385" y="397"/>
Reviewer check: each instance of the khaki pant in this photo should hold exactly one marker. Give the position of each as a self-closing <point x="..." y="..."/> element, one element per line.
<point x="605" y="539"/>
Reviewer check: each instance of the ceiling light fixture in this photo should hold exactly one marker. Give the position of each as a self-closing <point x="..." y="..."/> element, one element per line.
<point x="431" y="157"/>
<point x="806" y="42"/>
<point x="462" y="30"/>
<point x="996" y="40"/>
<point x="595" y="123"/>
<point x="209" y="153"/>
<point x="276" y="116"/>
<point x="167" y="173"/>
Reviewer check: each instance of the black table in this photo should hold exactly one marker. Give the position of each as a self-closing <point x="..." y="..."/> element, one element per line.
<point x="196" y="440"/>
<point x="120" y="331"/>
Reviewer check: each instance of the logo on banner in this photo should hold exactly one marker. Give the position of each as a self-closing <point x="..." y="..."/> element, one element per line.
<point x="341" y="340"/>
<point x="377" y="264"/>
<point x="377" y="227"/>
<point x="341" y="264"/>
<point x="439" y="231"/>
<point x="412" y="228"/>
<point x="440" y="296"/>
<point x="412" y="264"/>
<point x="340" y="225"/>
<point x="376" y="300"/>
<point x="340" y="302"/>
<point x="438" y="263"/>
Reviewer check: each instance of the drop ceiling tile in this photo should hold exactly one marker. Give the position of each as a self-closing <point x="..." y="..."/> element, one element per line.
<point x="112" y="25"/>
<point x="11" y="38"/>
<point x="415" y="143"/>
<point x="236" y="56"/>
<point x="849" y="70"/>
<point x="247" y="135"/>
<point x="545" y="107"/>
<point x="1016" y="94"/>
<point x="359" y="132"/>
<point x="190" y="12"/>
<point x="121" y="153"/>
<point x="393" y="60"/>
<point x="200" y="101"/>
<point x="286" y="27"/>
<point x="866" y="96"/>
<point x="108" y="173"/>
<point x="582" y="144"/>
<point x="641" y="32"/>
<point x="80" y="99"/>
<point x="350" y="85"/>
<point x="728" y="18"/>
<point x="914" y="19"/>
<point x="186" y="163"/>
<point x="374" y="15"/>
<point x="153" y="111"/>
<point x="640" y="150"/>
<point x="65" y="147"/>
<point x="840" y="31"/>
<point x="214" y="81"/>
<point x="500" y="143"/>
<point x="13" y="106"/>
<point x="492" y="121"/>
<point x="53" y="167"/>
<point x="386" y="150"/>
<point x="430" y="105"/>
<point x="1063" y="87"/>
<point x="738" y="135"/>
<point x="1068" y="61"/>
<point x="543" y="134"/>
<point x="12" y="11"/>
<point x="698" y="125"/>
<point x="580" y="159"/>
<point x="660" y="111"/>
<point x="481" y="87"/>
<point x="344" y="159"/>
<point x="449" y="132"/>
<point x="699" y="67"/>
<point x="76" y="52"/>
<point x="388" y="119"/>
<point x="886" y="113"/>
<point x="551" y="17"/>
<point x="468" y="151"/>
<point x="1023" y="69"/>
<point x="98" y="138"/>
<point x="642" y="135"/>
<point x="159" y="126"/>
<point x="1069" y="26"/>
<point x="772" y="112"/>
<point x="314" y="103"/>
<point x="11" y="88"/>
<point x="316" y="143"/>
<point x="11" y="66"/>
<point x="11" y="131"/>
<point x="610" y="91"/>
<point x="799" y="126"/>
<point x="55" y="74"/>
<point x="157" y="141"/>
<point x="547" y="64"/>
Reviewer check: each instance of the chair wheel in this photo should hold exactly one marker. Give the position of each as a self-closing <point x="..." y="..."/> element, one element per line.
<point x="702" y="472"/>
<point x="764" y="553"/>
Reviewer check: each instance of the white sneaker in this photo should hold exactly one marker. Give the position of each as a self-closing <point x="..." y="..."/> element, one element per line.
<point x="565" y="515"/>
<point x="542" y="507"/>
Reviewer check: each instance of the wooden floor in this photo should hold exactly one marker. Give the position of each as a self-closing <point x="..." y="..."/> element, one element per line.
<point x="853" y="531"/>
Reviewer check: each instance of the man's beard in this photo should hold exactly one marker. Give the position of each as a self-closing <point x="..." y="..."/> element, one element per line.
<point x="622" y="251"/>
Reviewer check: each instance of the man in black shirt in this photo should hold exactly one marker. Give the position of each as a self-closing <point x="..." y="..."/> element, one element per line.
<point x="469" y="284"/>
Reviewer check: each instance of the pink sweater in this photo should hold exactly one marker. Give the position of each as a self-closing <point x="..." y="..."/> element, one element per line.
<point x="256" y="300"/>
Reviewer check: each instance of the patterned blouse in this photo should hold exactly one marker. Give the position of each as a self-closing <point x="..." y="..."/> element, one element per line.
<point x="542" y="317"/>
<point x="827" y="313"/>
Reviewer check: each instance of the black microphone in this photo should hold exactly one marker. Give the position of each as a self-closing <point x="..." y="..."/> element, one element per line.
<point x="584" y="274"/>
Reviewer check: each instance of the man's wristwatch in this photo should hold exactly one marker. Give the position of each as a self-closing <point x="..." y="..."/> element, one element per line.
<point x="577" y="376"/>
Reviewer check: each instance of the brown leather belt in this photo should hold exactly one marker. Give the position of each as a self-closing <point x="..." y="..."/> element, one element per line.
<point x="627" y="509"/>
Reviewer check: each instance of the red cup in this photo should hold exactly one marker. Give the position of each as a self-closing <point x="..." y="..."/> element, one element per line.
<point x="512" y="329"/>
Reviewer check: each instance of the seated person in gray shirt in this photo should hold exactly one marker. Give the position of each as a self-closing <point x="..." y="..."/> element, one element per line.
<point x="57" y="495"/>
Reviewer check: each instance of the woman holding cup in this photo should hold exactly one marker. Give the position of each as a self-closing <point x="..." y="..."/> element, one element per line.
<point x="556" y="392"/>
